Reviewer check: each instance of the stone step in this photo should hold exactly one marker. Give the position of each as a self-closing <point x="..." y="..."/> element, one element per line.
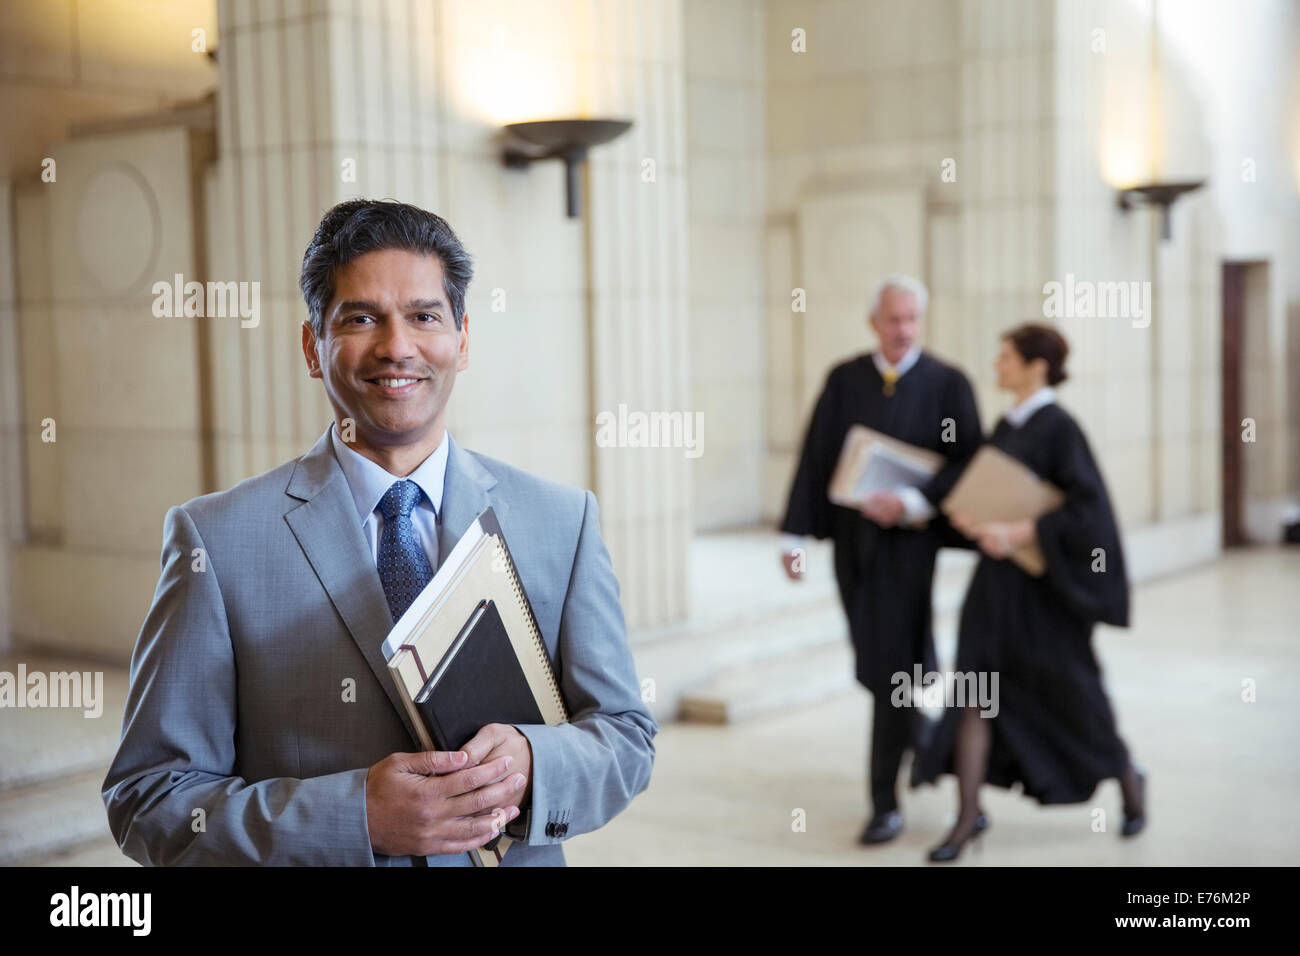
<point x="808" y="659"/>
<point x="46" y="743"/>
<point x="779" y="683"/>
<point x="52" y="817"/>
<point x="102" y="852"/>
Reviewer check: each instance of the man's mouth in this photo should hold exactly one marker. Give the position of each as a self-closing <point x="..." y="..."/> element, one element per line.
<point x="395" y="386"/>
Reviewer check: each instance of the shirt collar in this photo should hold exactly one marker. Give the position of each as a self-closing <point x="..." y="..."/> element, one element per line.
<point x="905" y="363"/>
<point x="369" y="482"/>
<point x="1018" y="415"/>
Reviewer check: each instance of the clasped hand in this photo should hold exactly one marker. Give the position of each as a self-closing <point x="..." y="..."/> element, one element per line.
<point x="997" y="539"/>
<point x="419" y="804"/>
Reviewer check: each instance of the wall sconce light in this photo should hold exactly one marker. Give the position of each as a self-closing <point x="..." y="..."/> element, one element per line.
<point x="568" y="139"/>
<point x="1158" y="194"/>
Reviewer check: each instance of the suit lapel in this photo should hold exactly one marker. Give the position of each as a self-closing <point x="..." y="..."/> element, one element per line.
<point x="329" y="532"/>
<point x="464" y="496"/>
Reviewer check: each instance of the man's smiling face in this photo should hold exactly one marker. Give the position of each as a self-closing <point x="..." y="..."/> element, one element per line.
<point x="390" y="350"/>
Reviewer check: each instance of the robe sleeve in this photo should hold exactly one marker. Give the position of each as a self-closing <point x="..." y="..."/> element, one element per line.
<point x="1071" y="535"/>
<point x="957" y="403"/>
<point x="809" y="509"/>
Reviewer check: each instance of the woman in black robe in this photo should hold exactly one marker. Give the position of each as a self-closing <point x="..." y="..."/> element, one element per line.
<point x="1054" y="731"/>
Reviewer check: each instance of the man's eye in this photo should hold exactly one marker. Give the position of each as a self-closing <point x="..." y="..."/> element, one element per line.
<point x="359" y="318"/>
<point x="429" y="316"/>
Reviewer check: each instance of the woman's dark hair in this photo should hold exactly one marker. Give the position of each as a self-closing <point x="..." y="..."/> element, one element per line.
<point x="357" y="226"/>
<point x="1033" y="341"/>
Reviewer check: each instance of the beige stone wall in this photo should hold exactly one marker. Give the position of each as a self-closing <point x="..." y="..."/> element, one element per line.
<point x="726" y="152"/>
<point x="1043" y="127"/>
<point x="62" y="63"/>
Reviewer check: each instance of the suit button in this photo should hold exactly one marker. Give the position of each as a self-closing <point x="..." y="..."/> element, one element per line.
<point x="550" y="829"/>
<point x="564" y="829"/>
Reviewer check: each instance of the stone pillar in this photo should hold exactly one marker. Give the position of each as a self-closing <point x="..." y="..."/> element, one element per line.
<point x="641" y="333"/>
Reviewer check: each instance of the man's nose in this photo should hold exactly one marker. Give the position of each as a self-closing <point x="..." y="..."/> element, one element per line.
<point x="395" y="341"/>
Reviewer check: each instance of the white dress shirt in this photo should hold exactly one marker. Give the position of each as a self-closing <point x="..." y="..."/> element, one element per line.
<point x="369" y="482"/>
<point x="1019" y="414"/>
<point x="904" y="364"/>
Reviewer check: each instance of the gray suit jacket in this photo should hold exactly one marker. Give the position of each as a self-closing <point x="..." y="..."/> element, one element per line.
<point x="241" y="743"/>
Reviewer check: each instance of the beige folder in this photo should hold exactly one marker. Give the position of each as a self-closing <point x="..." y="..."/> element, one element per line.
<point x="860" y="444"/>
<point x="997" y="487"/>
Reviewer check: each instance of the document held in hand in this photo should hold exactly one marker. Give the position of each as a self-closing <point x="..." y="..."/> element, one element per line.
<point x="468" y="652"/>
<point x="872" y="461"/>
<point x="997" y="487"/>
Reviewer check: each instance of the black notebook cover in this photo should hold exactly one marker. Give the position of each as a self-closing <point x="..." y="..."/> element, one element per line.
<point x="478" y="681"/>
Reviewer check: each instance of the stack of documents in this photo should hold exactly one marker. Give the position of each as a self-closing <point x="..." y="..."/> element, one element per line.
<point x="872" y="461"/>
<point x="468" y="652"/>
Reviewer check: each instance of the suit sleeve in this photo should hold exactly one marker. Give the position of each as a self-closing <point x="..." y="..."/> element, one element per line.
<point x="587" y="771"/>
<point x="172" y="794"/>
<point x="809" y="509"/>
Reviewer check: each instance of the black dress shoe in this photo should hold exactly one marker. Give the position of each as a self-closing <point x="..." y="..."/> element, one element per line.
<point x="947" y="852"/>
<point x="1133" y="825"/>
<point x="882" y="828"/>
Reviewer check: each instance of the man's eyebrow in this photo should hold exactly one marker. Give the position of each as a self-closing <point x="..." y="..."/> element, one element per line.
<point x="356" y="305"/>
<point x="425" y="304"/>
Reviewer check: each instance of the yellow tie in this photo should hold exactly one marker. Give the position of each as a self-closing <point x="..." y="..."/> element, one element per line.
<point x="890" y="375"/>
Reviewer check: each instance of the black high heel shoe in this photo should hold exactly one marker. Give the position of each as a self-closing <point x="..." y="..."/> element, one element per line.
<point x="1133" y="825"/>
<point x="947" y="852"/>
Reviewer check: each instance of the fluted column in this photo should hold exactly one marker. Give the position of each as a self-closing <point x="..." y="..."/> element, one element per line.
<point x="641" y="333"/>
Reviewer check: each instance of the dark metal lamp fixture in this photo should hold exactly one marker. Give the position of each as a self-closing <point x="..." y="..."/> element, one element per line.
<point x="567" y="139"/>
<point x="1158" y="194"/>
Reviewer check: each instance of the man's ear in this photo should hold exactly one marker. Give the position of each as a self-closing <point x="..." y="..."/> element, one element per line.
<point x="309" y="351"/>
<point x="462" y="360"/>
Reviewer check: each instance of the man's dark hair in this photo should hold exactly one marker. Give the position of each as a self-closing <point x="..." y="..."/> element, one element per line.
<point x="1032" y="341"/>
<point x="357" y="226"/>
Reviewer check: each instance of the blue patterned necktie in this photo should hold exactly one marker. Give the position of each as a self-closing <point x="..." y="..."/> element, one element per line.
<point x="403" y="564"/>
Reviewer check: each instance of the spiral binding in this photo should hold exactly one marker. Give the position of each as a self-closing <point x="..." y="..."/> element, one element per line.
<point x="533" y="630"/>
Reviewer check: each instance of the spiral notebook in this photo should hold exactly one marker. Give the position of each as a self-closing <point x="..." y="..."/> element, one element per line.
<point x="468" y="652"/>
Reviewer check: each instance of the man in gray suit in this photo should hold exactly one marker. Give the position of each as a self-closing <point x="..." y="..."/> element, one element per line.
<point x="262" y="726"/>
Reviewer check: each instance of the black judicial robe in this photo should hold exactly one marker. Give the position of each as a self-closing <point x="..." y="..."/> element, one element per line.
<point x="1054" y="732"/>
<point x="884" y="574"/>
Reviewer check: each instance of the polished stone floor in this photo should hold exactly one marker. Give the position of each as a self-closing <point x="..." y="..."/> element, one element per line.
<point x="1224" y="773"/>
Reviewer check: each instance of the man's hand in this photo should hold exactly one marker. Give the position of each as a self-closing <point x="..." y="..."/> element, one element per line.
<point x="884" y="508"/>
<point x="495" y="741"/>
<point x="419" y="804"/>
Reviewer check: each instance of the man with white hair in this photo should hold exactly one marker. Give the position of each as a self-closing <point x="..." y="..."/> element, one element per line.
<point x="885" y="554"/>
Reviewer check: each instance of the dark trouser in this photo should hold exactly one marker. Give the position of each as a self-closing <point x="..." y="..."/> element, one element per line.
<point x="893" y="731"/>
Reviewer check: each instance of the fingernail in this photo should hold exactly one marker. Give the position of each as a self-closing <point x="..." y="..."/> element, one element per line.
<point x="509" y="762"/>
<point x="459" y="757"/>
<point x="514" y="812"/>
<point x="519" y="782"/>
